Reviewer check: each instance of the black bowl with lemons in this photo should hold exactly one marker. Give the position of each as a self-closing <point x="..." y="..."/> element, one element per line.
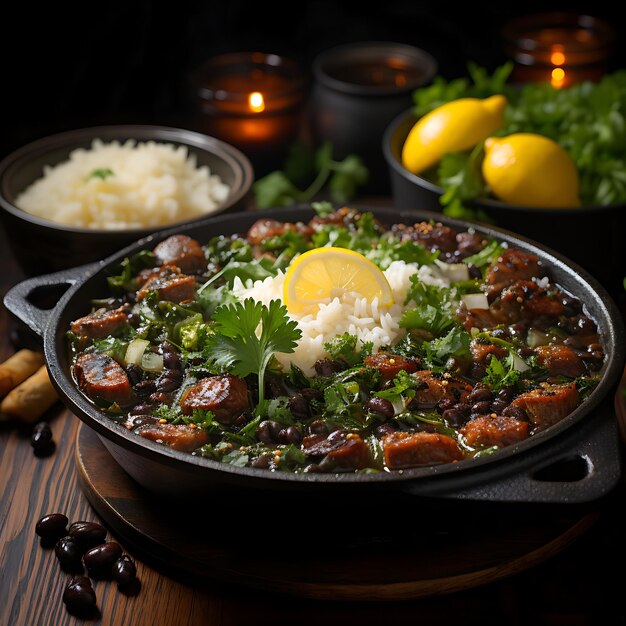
<point x="548" y="211"/>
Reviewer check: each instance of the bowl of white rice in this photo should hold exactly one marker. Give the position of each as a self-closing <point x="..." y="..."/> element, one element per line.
<point x="78" y="196"/>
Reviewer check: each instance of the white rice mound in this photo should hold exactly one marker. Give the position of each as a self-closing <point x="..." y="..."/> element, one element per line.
<point x="349" y="314"/>
<point x="152" y="184"/>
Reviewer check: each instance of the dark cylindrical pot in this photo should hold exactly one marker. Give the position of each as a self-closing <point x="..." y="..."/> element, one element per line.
<point x="358" y="89"/>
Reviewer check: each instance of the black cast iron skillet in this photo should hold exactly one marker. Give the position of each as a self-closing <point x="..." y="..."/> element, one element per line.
<point x="575" y="461"/>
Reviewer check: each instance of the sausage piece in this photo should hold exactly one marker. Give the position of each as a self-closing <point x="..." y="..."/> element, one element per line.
<point x="560" y="360"/>
<point x="435" y="389"/>
<point x="402" y="449"/>
<point x="525" y="300"/>
<point x="171" y="285"/>
<point x="225" y="396"/>
<point x="390" y="364"/>
<point x="512" y="265"/>
<point x="101" y="377"/>
<point x="498" y="431"/>
<point x="182" y="251"/>
<point x="548" y="404"/>
<point x="177" y="436"/>
<point x="99" y="324"/>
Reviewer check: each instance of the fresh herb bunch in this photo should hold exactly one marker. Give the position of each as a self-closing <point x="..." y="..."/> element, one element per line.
<point x="307" y="172"/>
<point x="588" y="120"/>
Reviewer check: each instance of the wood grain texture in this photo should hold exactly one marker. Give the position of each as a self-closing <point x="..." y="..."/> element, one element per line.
<point x="574" y="586"/>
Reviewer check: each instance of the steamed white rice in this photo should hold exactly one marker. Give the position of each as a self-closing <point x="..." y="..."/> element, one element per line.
<point x="349" y="314"/>
<point x="151" y="184"/>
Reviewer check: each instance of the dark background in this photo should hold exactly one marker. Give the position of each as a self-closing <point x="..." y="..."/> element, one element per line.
<point x="130" y="62"/>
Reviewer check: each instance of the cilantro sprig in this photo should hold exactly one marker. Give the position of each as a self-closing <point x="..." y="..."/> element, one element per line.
<point x="319" y="169"/>
<point x="235" y="345"/>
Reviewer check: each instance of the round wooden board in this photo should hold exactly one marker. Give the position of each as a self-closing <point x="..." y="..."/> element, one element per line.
<point x="392" y="549"/>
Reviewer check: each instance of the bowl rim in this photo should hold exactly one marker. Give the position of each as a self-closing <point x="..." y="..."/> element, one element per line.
<point x="394" y="127"/>
<point x="359" y="49"/>
<point x="237" y="160"/>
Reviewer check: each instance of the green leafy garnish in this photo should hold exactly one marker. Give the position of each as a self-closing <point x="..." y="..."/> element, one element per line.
<point x="281" y="187"/>
<point x="130" y="267"/>
<point x="235" y="346"/>
<point x="344" y="347"/>
<point x="101" y="173"/>
<point x="500" y="374"/>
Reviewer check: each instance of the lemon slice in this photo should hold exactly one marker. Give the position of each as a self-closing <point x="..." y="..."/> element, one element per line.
<point x="321" y="274"/>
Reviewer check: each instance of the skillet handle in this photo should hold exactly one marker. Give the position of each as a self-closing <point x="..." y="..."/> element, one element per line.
<point x="582" y="467"/>
<point x="33" y="301"/>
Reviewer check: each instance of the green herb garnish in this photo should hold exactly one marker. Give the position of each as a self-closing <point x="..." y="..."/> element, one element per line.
<point x="235" y="346"/>
<point x="100" y="172"/>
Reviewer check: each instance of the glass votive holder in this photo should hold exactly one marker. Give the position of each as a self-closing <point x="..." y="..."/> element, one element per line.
<point x="358" y="89"/>
<point x="252" y="100"/>
<point x="559" y="47"/>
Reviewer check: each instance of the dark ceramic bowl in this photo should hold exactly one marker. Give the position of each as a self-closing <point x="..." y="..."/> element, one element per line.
<point x="574" y="461"/>
<point x="41" y="245"/>
<point x="592" y="236"/>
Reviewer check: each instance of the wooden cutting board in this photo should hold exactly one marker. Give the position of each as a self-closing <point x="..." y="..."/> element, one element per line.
<point x="391" y="549"/>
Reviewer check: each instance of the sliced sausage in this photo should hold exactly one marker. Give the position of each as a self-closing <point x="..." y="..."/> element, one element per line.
<point x="548" y="404"/>
<point x="171" y="285"/>
<point x="225" y="396"/>
<point x="264" y="229"/>
<point x="525" y="300"/>
<point x="498" y="431"/>
<point x="483" y="350"/>
<point x="101" y="377"/>
<point x="436" y="388"/>
<point x="432" y="235"/>
<point x="353" y="454"/>
<point x="390" y="364"/>
<point x="177" y="436"/>
<point x="512" y="265"/>
<point x="402" y="449"/>
<point x="182" y="251"/>
<point x="560" y="360"/>
<point x="99" y="324"/>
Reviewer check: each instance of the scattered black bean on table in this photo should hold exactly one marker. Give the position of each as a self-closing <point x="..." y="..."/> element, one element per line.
<point x="83" y="545"/>
<point x="41" y="439"/>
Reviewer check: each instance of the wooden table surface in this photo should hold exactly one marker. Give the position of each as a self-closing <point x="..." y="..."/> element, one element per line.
<point x="574" y="587"/>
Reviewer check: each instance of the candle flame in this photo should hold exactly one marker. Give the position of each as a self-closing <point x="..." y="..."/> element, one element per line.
<point x="558" y="77"/>
<point x="557" y="58"/>
<point x="256" y="102"/>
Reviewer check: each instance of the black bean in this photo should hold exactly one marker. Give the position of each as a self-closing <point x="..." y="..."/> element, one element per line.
<point x="381" y="406"/>
<point x="169" y="348"/>
<point x="517" y="412"/>
<point x="444" y="404"/>
<point x="166" y="383"/>
<point x="454" y="417"/>
<point x="505" y="395"/>
<point x="134" y="373"/>
<point x="88" y="534"/>
<point x="171" y="360"/>
<point x="477" y="371"/>
<point x="52" y="526"/>
<point x="134" y="320"/>
<point x="500" y="333"/>
<point x="41" y="438"/>
<point x="299" y="407"/>
<point x="124" y="570"/>
<point x="268" y="431"/>
<point x="291" y="434"/>
<point x="462" y="407"/>
<point x="480" y="394"/>
<point x="69" y="553"/>
<point x="100" y="559"/>
<point x="311" y="394"/>
<point x="261" y="462"/>
<point x="142" y="409"/>
<point x="79" y="596"/>
<point x="385" y="429"/>
<point x="498" y="406"/>
<point x="145" y="388"/>
<point x="475" y="271"/>
<point x="594" y="347"/>
<point x="159" y="397"/>
<point x="326" y="367"/>
<point x="318" y="427"/>
<point x="483" y="407"/>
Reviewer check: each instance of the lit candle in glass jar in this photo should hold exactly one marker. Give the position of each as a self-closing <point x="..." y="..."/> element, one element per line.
<point x="252" y="101"/>
<point x="560" y="48"/>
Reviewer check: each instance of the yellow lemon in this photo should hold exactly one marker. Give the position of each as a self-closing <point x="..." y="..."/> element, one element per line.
<point x="452" y="127"/>
<point x="321" y="274"/>
<point x="531" y="170"/>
